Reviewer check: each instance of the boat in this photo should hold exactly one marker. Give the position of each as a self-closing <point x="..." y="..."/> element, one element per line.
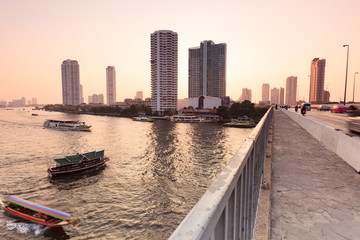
<point x="240" y="124"/>
<point x="143" y="118"/>
<point x="34" y="114"/>
<point x="66" y="124"/>
<point x="36" y="213"/>
<point x="202" y="118"/>
<point x="78" y="162"/>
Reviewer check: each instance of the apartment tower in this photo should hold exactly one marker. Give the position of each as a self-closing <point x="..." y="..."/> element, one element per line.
<point x="246" y="95"/>
<point x="317" y="79"/>
<point x="70" y="82"/>
<point x="275" y="96"/>
<point x="207" y="70"/>
<point x="282" y="96"/>
<point x="265" y="92"/>
<point x="291" y="88"/>
<point x="110" y="85"/>
<point x="164" y="71"/>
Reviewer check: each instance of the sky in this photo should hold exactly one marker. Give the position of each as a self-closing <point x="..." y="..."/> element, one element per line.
<point x="267" y="41"/>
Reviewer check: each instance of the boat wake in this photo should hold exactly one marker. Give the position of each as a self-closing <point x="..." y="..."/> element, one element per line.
<point x="25" y="228"/>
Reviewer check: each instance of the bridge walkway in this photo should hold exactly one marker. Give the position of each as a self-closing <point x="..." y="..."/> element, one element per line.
<point x="314" y="193"/>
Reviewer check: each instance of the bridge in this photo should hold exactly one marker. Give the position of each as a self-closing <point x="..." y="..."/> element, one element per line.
<point x="293" y="178"/>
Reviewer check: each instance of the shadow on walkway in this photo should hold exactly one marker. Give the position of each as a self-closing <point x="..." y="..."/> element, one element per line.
<point x="314" y="194"/>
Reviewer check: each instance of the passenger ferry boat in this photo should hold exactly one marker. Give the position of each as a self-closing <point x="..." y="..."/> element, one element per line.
<point x="78" y="163"/>
<point x="67" y="124"/>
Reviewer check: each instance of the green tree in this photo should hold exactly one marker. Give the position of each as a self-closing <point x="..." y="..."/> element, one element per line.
<point x="223" y="112"/>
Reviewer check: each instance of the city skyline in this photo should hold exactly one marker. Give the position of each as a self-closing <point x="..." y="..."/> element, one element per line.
<point x="36" y="38"/>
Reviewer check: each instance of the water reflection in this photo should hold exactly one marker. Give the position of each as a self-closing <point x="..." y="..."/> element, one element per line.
<point x="156" y="173"/>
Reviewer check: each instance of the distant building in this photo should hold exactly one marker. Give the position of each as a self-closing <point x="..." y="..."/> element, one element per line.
<point x="225" y="101"/>
<point x="200" y="102"/>
<point x="207" y="70"/>
<point x="265" y="92"/>
<point x="246" y="95"/>
<point x="110" y="85"/>
<point x="17" y="102"/>
<point x="291" y="88"/>
<point x="275" y="96"/>
<point x="164" y="71"/>
<point x="139" y="95"/>
<point x="70" y="82"/>
<point x="81" y="94"/>
<point x="34" y="101"/>
<point x="317" y="80"/>
<point x="3" y="103"/>
<point x="96" y="98"/>
<point x="282" y="95"/>
<point x="326" y="96"/>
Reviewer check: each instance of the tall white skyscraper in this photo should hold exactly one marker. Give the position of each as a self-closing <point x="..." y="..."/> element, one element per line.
<point x="207" y="70"/>
<point x="110" y="85"/>
<point x="164" y="71"/>
<point x="70" y="82"/>
<point x="291" y="88"/>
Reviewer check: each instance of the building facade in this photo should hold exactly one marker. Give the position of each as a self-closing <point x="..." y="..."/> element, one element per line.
<point x="96" y="98"/>
<point x="70" y="74"/>
<point x="317" y="80"/>
<point x="139" y="95"/>
<point x="110" y="85"/>
<point x="275" y="96"/>
<point x="207" y="70"/>
<point x="282" y="96"/>
<point x="164" y="71"/>
<point x="265" y="92"/>
<point x="246" y="95"/>
<point x="291" y="88"/>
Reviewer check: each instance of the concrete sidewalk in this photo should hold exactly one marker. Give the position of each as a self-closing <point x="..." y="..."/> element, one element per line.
<point x="314" y="193"/>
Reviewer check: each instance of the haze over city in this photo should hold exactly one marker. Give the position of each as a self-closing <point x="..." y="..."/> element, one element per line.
<point x="267" y="41"/>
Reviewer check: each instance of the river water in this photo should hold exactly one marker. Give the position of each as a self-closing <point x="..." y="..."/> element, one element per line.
<point x="156" y="173"/>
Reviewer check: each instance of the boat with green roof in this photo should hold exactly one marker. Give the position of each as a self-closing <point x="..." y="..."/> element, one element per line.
<point x="78" y="162"/>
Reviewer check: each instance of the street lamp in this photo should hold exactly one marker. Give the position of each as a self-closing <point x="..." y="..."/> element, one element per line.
<point x="347" y="61"/>
<point x="354" y="87"/>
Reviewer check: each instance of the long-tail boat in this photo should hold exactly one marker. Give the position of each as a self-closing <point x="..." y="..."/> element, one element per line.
<point x="78" y="162"/>
<point x="36" y="213"/>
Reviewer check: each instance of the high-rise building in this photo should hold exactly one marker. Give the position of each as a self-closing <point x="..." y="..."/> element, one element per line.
<point x="81" y="94"/>
<point x="326" y="96"/>
<point x="110" y="85"/>
<point x="139" y="95"/>
<point x="246" y="95"/>
<point x="317" y="79"/>
<point x="164" y="71"/>
<point x="275" y="96"/>
<point x="291" y="88"/>
<point x="70" y="82"/>
<point x="207" y="70"/>
<point x="282" y="95"/>
<point x="265" y="92"/>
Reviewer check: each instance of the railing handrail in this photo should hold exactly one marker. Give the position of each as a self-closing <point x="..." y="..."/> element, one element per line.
<point x="230" y="198"/>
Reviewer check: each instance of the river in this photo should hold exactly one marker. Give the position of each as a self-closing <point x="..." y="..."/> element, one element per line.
<point x="156" y="173"/>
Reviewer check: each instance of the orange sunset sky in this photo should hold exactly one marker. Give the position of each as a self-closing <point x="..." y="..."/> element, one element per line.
<point x="267" y="41"/>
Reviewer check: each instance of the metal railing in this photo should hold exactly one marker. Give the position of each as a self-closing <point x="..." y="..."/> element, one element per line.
<point x="228" y="208"/>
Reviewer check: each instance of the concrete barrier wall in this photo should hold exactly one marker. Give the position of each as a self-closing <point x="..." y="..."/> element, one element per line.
<point x="345" y="146"/>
